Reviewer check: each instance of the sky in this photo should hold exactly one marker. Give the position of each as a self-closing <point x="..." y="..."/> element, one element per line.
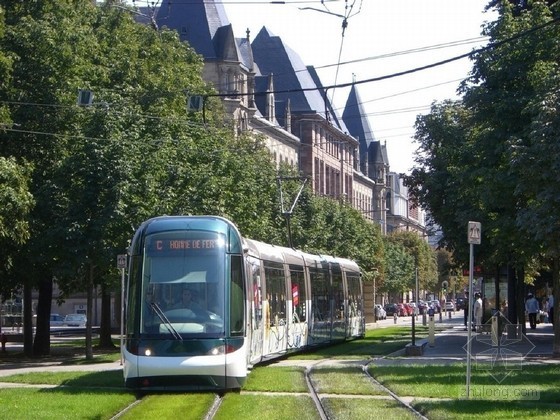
<point x="376" y="35"/>
<point x="378" y="41"/>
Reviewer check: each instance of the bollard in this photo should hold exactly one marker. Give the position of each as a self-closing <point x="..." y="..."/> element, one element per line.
<point x="440" y="317"/>
<point x="3" y="339"/>
<point x="495" y="338"/>
<point x="395" y="317"/>
<point x="424" y="318"/>
<point x="449" y="316"/>
<point x="431" y="335"/>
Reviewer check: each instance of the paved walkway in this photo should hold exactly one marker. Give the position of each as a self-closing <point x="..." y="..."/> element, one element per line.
<point x="452" y="344"/>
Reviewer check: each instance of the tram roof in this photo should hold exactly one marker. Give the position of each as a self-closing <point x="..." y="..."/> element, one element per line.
<point x="292" y="256"/>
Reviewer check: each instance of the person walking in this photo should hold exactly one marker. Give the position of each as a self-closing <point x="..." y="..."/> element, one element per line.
<point x="466" y="311"/>
<point x="532" y="308"/>
<point x="477" y="312"/>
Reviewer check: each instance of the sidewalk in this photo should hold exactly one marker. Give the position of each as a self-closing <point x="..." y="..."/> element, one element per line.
<point x="451" y="344"/>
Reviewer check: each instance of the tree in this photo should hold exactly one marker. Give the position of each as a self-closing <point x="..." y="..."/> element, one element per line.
<point x="400" y="269"/>
<point x="16" y="203"/>
<point x="134" y="153"/>
<point x="507" y="125"/>
<point x="425" y="264"/>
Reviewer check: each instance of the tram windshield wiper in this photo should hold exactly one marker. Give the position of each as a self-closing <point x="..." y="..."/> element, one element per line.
<point x="155" y="307"/>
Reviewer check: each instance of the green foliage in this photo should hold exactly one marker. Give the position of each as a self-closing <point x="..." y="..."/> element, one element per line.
<point x="399" y="272"/>
<point x="490" y="157"/>
<point x="325" y="226"/>
<point x="16" y="203"/>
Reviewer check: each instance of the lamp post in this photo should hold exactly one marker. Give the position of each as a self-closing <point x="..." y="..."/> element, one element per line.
<point x="375" y="272"/>
<point x="415" y="300"/>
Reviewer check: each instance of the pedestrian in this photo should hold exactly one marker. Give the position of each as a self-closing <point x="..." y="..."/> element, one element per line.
<point x="477" y="312"/>
<point x="551" y="308"/>
<point x="466" y="311"/>
<point x="532" y="308"/>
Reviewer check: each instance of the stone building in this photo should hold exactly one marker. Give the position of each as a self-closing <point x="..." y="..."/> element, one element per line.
<point x="268" y="90"/>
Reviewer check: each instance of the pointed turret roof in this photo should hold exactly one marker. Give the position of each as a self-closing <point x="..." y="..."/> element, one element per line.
<point x="292" y="79"/>
<point x="355" y="119"/>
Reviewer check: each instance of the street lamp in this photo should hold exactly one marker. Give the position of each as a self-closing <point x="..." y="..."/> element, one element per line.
<point x="375" y="272"/>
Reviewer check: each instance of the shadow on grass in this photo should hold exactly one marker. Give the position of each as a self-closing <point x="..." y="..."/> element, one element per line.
<point x="377" y="342"/>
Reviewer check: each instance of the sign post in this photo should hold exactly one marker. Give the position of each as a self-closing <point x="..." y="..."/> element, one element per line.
<point x="473" y="234"/>
<point x="121" y="264"/>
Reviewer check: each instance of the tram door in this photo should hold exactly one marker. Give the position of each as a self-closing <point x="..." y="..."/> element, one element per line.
<point x="255" y="305"/>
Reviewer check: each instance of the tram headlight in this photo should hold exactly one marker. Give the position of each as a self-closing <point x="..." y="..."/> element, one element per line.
<point x="147" y="352"/>
<point x="221" y="349"/>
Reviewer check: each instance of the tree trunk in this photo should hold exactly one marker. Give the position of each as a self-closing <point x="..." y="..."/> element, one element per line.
<point x="90" y="283"/>
<point x="556" y="294"/>
<point x="513" y="286"/>
<point x="520" y="299"/>
<point x="42" y="343"/>
<point x="28" y="320"/>
<point x="105" y="341"/>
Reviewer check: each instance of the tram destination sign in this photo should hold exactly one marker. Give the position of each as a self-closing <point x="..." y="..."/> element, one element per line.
<point x="175" y="245"/>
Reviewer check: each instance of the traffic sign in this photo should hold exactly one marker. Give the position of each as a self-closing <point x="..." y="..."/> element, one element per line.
<point x="474" y="233"/>
<point x="121" y="261"/>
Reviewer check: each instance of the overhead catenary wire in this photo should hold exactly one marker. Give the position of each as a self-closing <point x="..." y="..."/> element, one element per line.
<point x="370" y="80"/>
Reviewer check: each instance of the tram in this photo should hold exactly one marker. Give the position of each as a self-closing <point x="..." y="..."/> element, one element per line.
<point x="204" y="304"/>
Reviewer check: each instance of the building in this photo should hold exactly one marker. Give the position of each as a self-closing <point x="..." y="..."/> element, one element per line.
<point x="267" y="90"/>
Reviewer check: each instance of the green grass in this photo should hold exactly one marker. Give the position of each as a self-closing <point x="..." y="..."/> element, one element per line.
<point x="266" y="407"/>
<point x="171" y="406"/>
<point x="495" y="410"/>
<point x="377" y="342"/>
<point x="365" y="409"/>
<point x="276" y="379"/>
<point x="343" y="380"/>
<point x="437" y="391"/>
<point x="105" y="379"/>
<point x="532" y="392"/>
<point x="450" y="382"/>
<point x="61" y="403"/>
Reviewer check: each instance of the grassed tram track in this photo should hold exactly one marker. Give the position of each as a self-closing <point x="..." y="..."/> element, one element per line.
<point x="333" y="381"/>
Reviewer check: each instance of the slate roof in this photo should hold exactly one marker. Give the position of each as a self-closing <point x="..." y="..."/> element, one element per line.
<point x="356" y="121"/>
<point x="292" y="79"/>
<point x="197" y="22"/>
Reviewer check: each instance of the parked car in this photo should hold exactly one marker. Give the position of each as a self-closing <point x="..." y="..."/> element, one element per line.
<point x="422" y="306"/>
<point x="75" y="320"/>
<point x="401" y="310"/>
<point x="380" y="313"/>
<point x="409" y="309"/>
<point x="450" y="306"/>
<point x="435" y="305"/>
<point x="415" y="309"/>
<point x="57" y="320"/>
<point x="460" y="303"/>
<point x="391" y="309"/>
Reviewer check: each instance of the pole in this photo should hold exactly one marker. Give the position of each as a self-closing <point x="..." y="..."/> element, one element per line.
<point x="122" y="314"/>
<point x="469" y="316"/>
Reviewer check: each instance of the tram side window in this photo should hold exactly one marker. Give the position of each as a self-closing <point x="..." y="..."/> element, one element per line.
<point x="255" y="278"/>
<point x="354" y="295"/>
<point x="338" y="294"/>
<point x="276" y="293"/>
<point x="133" y="291"/>
<point x="320" y="293"/>
<point x="299" y="296"/>
<point x="237" y="296"/>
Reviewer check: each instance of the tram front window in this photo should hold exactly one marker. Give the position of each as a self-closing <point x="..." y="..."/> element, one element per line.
<point x="183" y="284"/>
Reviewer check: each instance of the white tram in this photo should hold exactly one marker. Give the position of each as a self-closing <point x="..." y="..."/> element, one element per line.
<point x="205" y="304"/>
